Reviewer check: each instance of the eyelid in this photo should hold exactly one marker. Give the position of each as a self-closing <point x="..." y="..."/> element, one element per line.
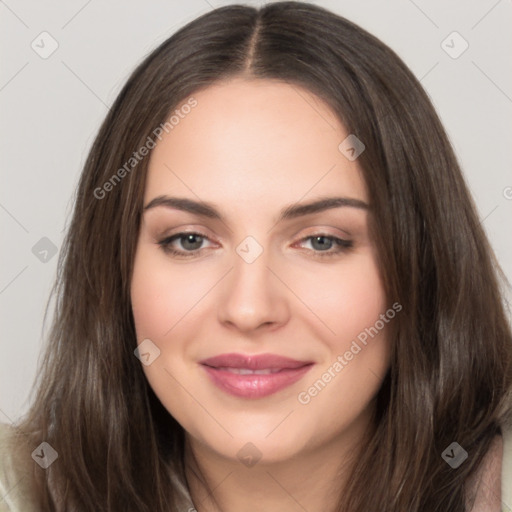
<point x="323" y="230"/>
<point x="188" y="229"/>
<point x="171" y="237"/>
<point x="341" y="245"/>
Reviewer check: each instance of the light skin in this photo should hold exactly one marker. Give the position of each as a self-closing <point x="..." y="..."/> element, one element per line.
<point x="251" y="148"/>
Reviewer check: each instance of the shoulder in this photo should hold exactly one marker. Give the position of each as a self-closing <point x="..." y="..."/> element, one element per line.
<point x="16" y="472"/>
<point x="491" y="486"/>
<point x="18" y="468"/>
<point x="506" y="470"/>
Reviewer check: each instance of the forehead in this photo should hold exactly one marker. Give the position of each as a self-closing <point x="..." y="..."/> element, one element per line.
<point x="249" y="140"/>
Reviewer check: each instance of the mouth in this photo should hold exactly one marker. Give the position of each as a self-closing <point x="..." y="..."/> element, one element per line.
<point x="254" y="376"/>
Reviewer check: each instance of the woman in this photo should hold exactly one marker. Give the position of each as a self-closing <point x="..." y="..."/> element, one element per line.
<point x="275" y="293"/>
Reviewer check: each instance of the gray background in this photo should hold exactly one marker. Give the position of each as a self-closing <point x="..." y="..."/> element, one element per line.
<point x="51" y="109"/>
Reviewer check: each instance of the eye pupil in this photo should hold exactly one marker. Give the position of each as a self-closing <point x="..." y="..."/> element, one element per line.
<point x="195" y="241"/>
<point x="321" y="242"/>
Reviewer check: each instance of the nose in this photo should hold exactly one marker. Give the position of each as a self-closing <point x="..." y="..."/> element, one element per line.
<point x="252" y="297"/>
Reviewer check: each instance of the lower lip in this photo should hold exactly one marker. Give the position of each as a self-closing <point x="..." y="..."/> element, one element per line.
<point x="254" y="385"/>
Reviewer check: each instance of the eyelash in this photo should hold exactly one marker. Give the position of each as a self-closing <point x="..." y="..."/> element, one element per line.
<point x="165" y="244"/>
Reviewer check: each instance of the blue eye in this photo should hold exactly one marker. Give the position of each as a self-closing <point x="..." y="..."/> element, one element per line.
<point x="322" y="245"/>
<point x="190" y="241"/>
<point x="192" y="244"/>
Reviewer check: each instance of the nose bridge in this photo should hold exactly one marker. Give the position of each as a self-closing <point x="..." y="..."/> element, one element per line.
<point x="250" y="276"/>
<point x="250" y="295"/>
<point x="251" y="267"/>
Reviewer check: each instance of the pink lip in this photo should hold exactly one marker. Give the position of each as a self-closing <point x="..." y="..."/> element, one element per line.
<point x="285" y="372"/>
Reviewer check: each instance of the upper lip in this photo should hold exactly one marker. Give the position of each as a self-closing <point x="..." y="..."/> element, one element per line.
<point x="254" y="362"/>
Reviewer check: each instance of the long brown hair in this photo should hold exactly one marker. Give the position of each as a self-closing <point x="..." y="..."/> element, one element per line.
<point x="451" y="368"/>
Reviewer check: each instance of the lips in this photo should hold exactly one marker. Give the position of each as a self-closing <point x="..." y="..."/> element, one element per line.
<point x="254" y="376"/>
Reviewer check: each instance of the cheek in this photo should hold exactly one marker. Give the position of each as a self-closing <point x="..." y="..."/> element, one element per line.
<point x="162" y="295"/>
<point x="346" y="298"/>
<point x="152" y="303"/>
<point x="349" y="301"/>
<point x="359" y="350"/>
<point x="341" y="301"/>
<point x="160" y="302"/>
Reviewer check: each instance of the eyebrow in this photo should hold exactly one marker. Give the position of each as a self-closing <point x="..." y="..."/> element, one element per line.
<point x="292" y="211"/>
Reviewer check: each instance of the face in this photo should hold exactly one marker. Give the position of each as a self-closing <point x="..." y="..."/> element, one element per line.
<point x="269" y="317"/>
